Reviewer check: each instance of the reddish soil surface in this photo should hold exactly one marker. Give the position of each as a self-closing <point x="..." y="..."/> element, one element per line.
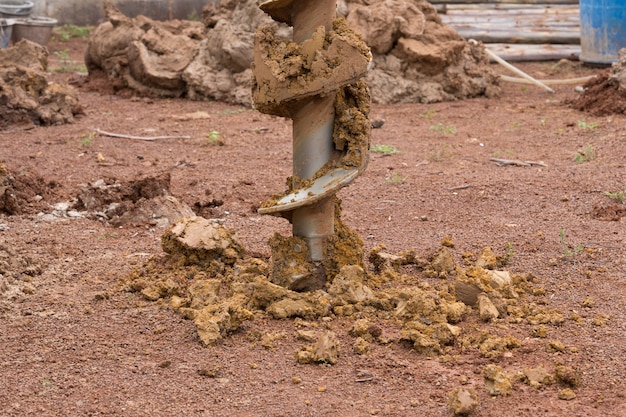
<point x="74" y="343"/>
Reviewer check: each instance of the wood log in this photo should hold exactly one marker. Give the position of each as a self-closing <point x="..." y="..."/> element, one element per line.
<point x="539" y="20"/>
<point x="511" y="25"/>
<point x="506" y="10"/>
<point x="551" y="2"/>
<point x="522" y="36"/>
<point x="534" y="52"/>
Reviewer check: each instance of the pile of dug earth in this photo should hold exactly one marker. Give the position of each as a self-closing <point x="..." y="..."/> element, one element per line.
<point x="442" y="310"/>
<point x="416" y="58"/>
<point x="605" y="94"/>
<point x="27" y="98"/>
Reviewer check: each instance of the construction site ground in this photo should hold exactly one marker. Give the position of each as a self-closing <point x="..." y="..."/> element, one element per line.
<point x="524" y="174"/>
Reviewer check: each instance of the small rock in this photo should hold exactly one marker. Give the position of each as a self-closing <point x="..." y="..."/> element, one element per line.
<point x="555" y="346"/>
<point x="378" y="122"/>
<point x="463" y="401"/>
<point x="567" y="394"/>
<point x="486" y="309"/>
<point x="568" y="375"/>
<point x="325" y="350"/>
<point x="361" y="346"/>
<point x="535" y="377"/>
<point x="496" y="381"/>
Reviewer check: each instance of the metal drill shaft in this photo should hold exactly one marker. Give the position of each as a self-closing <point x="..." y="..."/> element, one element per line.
<point x="310" y="102"/>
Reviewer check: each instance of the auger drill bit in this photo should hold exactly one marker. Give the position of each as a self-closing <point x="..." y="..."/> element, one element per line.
<point x="303" y="80"/>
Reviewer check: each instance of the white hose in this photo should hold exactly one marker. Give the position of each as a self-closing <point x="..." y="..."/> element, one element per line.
<point x="578" y="80"/>
<point x="514" y="69"/>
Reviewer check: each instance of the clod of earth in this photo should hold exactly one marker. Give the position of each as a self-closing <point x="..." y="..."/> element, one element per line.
<point x="568" y="376"/>
<point x="566" y="394"/>
<point x="497" y="382"/>
<point x="324" y="350"/>
<point x="463" y="401"/>
<point x="537" y="377"/>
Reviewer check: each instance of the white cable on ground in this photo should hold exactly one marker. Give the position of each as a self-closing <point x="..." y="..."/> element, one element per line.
<point x="514" y="69"/>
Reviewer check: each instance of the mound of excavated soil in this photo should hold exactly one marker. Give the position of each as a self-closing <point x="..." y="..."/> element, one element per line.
<point x="23" y="192"/>
<point x="605" y="94"/>
<point x="207" y="278"/>
<point x="416" y="58"/>
<point x="145" y="201"/>
<point x="26" y="95"/>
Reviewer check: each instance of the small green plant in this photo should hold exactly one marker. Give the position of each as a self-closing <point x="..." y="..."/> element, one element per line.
<point x="429" y="114"/>
<point x="585" y="125"/>
<point x="568" y="249"/>
<point x="214" y="138"/>
<point x="523" y="89"/>
<point x="386" y="150"/>
<point x="443" y="129"/>
<point x="193" y="16"/>
<point x="509" y="253"/>
<point x="67" y="64"/>
<point x="87" y="138"/>
<point x="543" y="121"/>
<point x="395" y="178"/>
<point x="618" y="195"/>
<point x="516" y="126"/>
<point x="67" y="32"/>
<point x="585" y="154"/>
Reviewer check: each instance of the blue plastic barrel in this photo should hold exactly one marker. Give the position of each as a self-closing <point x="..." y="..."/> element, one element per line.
<point x="602" y="30"/>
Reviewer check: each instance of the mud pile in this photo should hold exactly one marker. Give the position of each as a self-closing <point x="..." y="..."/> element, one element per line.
<point x="23" y="191"/>
<point x="206" y="277"/>
<point x="143" y="54"/>
<point x="26" y="95"/>
<point x="416" y="58"/>
<point x="606" y="93"/>
<point x="145" y="201"/>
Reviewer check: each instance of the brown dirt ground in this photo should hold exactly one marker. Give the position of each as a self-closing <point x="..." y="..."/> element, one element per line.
<point x="73" y="344"/>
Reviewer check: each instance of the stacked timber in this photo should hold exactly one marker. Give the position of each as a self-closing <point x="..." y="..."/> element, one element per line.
<point x="517" y="30"/>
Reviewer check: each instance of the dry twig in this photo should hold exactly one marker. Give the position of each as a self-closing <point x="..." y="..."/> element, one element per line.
<point x="147" y="138"/>
<point x="517" y="162"/>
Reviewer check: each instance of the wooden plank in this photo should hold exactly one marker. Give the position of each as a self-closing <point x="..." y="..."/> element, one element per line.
<point x="481" y="9"/>
<point x="505" y="1"/>
<point x="534" y="52"/>
<point x="522" y="36"/>
<point x="501" y="21"/>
